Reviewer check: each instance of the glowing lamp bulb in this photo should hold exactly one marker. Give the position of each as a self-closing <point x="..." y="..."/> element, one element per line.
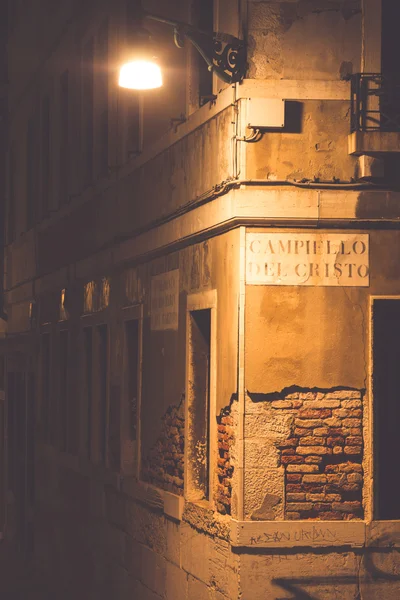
<point x="140" y="75"/>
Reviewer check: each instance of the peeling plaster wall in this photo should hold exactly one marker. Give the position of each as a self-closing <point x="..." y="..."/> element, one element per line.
<point x="209" y="265"/>
<point x="304" y="456"/>
<point x="312" y="144"/>
<point x="288" y="40"/>
<point x="163" y="465"/>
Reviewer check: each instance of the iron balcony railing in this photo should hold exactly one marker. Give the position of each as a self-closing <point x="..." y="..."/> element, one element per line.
<point x="375" y="102"/>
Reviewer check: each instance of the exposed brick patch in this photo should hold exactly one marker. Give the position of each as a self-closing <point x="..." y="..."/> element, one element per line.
<point x="225" y="469"/>
<point x="164" y="463"/>
<point x="323" y="455"/>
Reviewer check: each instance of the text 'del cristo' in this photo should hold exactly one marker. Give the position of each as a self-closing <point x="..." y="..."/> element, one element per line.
<point x="330" y="259"/>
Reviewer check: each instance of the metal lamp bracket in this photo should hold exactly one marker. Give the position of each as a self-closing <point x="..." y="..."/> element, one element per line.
<point x="224" y="54"/>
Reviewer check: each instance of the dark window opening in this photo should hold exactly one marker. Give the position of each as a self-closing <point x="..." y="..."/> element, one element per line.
<point x="45" y="157"/>
<point x="103" y="135"/>
<point x="390" y="37"/>
<point x="102" y="71"/>
<point x="87" y="113"/>
<point x="64" y="138"/>
<point x="102" y="332"/>
<point x="88" y="387"/>
<point x="132" y="366"/>
<point x="199" y="384"/>
<point x="11" y="401"/>
<point x="63" y="389"/>
<point x="386" y="386"/>
<point x="31" y="171"/>
<point x="133" y="127"/>
<point x="11" y="198"/>
<point x="204" y="20"/>
<point x="45" y="408"/>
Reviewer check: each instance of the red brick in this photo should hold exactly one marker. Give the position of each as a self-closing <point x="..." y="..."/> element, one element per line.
<point x="354" y="478"/>
<point x="352" y="422"/>
<point x="289" y="443"/>
<point x="337" y="479"/>
<point x="282" y="404"/>
<point x="302" y="469"/>
<point x="313" y="460"/>
<point x="314" y="479"/>
<point x="335" y="441"/>
<point x="356" y="412"/>
<point x="312" y="441"/>
<point x="315" y="497"/>
<point x="352" y="450"/>
<point x="351" y="403"/>
<point x="297" y="403"/>
<point x="292" y="516"/>
<point x="295" y="497"/>
<point x="349" y="467"/>
<point x="293" y="477"/>
<point x="312" y="488"/>
<point x="322" y="506"/>
<point x="301" y="431"/>
<point x="292" y="460"/>
<point x="330" y="516"/>
<point x="354" y="506"/>
<point x="350" y="487"/>
<point x="333" y="498"/>
<point x="308" y="423"/>
<point x="320" y="431"/>
<point x="322" y="403"/>
<point x="335" y="431"/>
<point x="354" y="440"/>
<point x="342" y="413"/>
<point x="292" y="487"/>
<point x="288" y="452"/>
<point x="315" y="413"/>
<point x="298" y="506"/>
<point x="313" y="450"/>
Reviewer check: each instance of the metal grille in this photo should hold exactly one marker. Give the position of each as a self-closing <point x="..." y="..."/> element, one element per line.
<point x="375" y="102"/>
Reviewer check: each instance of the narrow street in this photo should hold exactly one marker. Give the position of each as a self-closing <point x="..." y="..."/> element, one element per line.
<point x="19" y="580"/>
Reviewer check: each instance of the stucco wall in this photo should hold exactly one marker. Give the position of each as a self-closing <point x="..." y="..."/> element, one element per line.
<point x="288" y="40"/>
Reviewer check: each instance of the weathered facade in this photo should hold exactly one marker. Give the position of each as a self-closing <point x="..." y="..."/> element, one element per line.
<point x="202" y="292"/>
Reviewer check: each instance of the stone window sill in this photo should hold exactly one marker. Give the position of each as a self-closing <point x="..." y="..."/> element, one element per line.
<point x="170" y="504"/>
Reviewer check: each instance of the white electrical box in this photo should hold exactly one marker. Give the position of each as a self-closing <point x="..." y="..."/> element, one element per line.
<point x="265" y="113"/>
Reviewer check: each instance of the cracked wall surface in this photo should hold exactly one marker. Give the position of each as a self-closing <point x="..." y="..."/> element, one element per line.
<point x="225" y="467"/>
<point x="323" y="456"/>
<point x="164" y="464"/>
<point x="278" y="30"/>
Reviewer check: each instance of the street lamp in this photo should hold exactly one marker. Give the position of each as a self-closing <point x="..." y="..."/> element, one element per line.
<point x="224" y="54"/>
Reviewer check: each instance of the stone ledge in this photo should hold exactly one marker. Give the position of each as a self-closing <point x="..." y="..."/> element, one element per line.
<point x="173" y="506"/>
<point x="383" y="534"/>
<point x="287" y="534"/>
<point x="373" y="142"/>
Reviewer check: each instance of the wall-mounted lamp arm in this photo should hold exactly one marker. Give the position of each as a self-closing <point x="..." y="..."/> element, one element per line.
<point x="225" y="54"/>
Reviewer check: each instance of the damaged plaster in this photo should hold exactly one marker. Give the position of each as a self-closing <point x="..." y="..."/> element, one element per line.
<point x="164" y="463"/>
<point x="311" y="442"/>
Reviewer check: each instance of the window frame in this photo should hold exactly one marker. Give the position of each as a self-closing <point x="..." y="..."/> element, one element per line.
<point x="93" y="321"/>
<point x="131" y="313"/>
<point x="370" y="431"/>
<point x="201" y="301"/>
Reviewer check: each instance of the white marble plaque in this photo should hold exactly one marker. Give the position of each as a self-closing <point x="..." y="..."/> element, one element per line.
<point x="164" y="304"/>
<point x="329" y="259"/>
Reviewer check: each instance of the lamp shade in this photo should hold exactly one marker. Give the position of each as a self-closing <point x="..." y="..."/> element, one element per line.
<point x="140" y="75"/>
